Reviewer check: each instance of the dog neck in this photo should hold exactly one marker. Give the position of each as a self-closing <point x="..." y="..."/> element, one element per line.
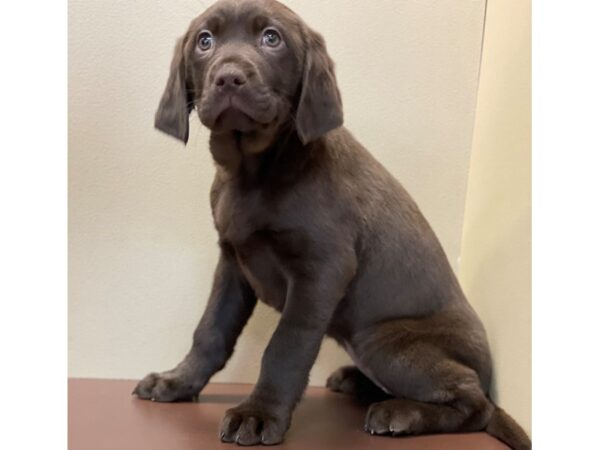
<point x="259" y="158"/>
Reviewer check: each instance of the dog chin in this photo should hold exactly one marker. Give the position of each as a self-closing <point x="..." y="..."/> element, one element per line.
<point x="234" y="113"/>
<point x="233" y="119"/>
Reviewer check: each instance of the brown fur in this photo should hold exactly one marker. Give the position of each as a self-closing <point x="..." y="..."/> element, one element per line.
<point x="314" y="226"/>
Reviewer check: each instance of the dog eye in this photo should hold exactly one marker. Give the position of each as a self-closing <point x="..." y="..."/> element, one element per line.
<point x="205" y="40"/>
<point x="271" y="38"/>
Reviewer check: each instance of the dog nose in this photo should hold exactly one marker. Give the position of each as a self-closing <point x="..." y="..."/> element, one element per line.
<point x="230" y="78"/>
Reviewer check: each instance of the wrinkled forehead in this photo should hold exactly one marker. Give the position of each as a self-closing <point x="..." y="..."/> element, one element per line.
<point x="251" y="15"/>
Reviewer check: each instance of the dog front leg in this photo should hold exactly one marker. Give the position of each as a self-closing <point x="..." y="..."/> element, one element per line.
<point x="230" y="305"/>
<point x="264" y="417"/>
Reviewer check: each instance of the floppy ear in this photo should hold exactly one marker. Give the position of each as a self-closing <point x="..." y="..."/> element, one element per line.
<point x="175" y="105"/>
<point x="320" y="106"/>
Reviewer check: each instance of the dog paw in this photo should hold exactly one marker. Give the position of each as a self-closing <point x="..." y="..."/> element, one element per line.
<point x="344" y="380"/>
<point x="166" y="387"/>
<point x="253" y="424"/>
<point x="391" y="417"/>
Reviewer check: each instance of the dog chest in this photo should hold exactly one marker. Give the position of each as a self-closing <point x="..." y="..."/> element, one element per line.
<point x="242" y="223"/>
<point x="264" y="271"/>
<point x="237" y="213"/>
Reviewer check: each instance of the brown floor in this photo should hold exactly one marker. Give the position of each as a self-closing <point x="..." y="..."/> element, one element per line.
<point x="103" y="415"/>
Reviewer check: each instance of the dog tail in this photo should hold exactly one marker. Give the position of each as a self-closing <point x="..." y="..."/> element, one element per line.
<point x="506" y="429"/>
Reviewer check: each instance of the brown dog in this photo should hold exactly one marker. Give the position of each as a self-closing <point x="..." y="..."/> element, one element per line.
<point x="313" y="225"/>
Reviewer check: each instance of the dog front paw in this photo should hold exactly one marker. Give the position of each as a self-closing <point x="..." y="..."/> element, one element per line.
<point x="253" y="423"/>
<point x="169" y="386"/>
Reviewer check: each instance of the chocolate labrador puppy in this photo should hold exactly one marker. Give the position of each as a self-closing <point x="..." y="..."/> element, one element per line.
<point x="310" y="223"/>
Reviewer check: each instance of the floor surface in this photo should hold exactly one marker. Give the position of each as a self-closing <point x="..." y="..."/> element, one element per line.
<point x="104" y="416"/>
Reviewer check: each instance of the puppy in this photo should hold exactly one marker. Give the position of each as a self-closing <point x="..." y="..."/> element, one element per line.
<point x="311" y="224"/>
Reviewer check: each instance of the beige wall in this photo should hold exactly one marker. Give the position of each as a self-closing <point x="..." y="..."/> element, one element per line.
<point x="142" y="244"/>
<point x="496" y="249"/>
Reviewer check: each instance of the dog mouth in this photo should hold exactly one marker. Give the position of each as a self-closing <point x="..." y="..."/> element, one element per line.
<point x="234" y="119"/>
<point x="232" y="112"/>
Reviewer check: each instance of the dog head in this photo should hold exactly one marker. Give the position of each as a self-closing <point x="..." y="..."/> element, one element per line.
<point x="251" y="67"/>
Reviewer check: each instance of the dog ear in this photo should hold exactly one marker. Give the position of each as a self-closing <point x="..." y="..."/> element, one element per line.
<point x="175" y="105"/>
<point x="320" y="106"/>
